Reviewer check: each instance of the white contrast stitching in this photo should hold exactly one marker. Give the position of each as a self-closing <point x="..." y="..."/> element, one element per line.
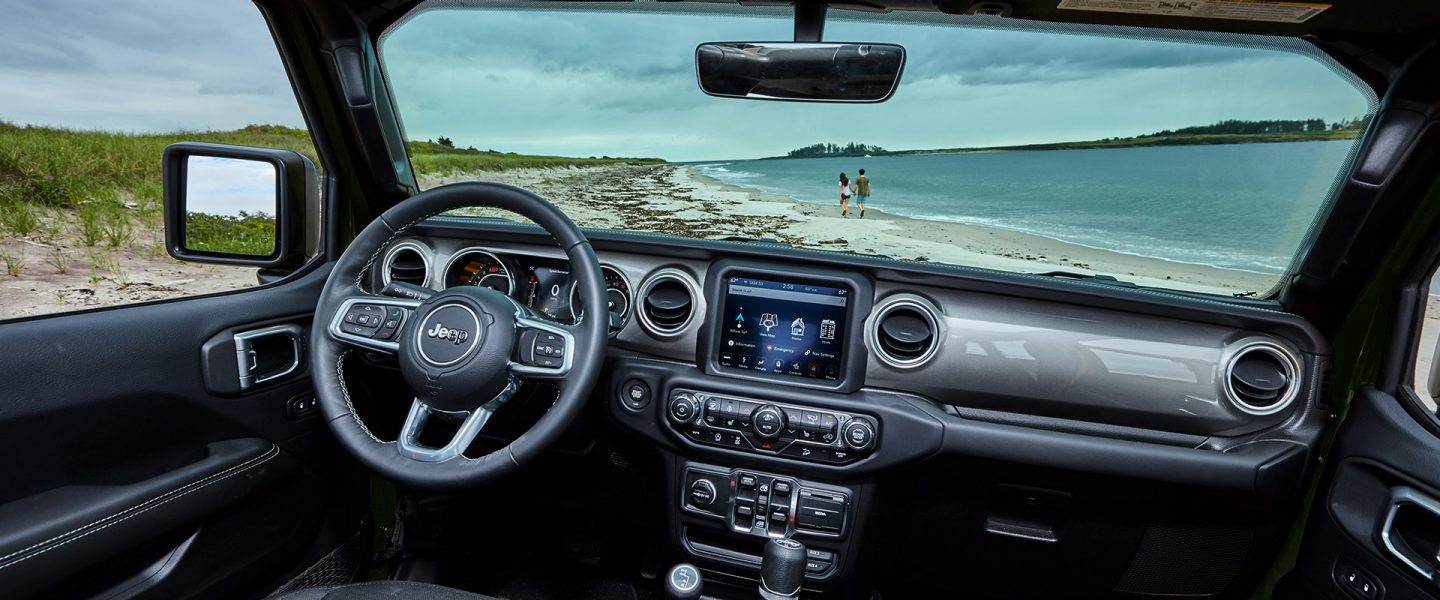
<point x="139" y="508"/>
<point x="345" y="391"/>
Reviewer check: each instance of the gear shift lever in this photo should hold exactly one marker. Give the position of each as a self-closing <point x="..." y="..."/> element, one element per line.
<point x="683" y="582"/>
<point x="782" y="570"/>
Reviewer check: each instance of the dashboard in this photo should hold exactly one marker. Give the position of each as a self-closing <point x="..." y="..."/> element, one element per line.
<point x="786" y="385"/>
<point x="1151" y="371"/>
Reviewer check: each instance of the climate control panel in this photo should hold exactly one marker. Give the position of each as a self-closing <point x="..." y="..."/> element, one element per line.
<point x="786" y="430"/>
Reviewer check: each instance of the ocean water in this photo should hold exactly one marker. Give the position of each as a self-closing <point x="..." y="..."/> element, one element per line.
<point x="1239" y="206"/>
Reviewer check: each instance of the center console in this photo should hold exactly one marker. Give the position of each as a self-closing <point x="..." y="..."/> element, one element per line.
<point x="770" y="434"/>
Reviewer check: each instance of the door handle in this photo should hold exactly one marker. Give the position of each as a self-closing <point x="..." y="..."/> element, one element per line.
<point x="250" y="344"/>
<point x="1411" y="531"/>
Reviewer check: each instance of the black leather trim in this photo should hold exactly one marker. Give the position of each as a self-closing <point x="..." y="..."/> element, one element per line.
<point x="49" y="535"/>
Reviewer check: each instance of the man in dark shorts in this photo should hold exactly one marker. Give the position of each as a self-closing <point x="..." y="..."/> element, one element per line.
<point x="862" y="191"/>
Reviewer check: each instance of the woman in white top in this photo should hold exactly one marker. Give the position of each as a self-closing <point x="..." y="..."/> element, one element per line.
<point x="845" y="193"/>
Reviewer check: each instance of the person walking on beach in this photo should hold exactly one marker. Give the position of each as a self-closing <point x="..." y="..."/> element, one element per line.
<point x="862" y="191"/>
<point x="845" y="193"/>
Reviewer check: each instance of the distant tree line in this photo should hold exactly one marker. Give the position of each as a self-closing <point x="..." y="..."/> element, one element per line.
<point x="1239" y="127"/>
<point x="850" y="149"/>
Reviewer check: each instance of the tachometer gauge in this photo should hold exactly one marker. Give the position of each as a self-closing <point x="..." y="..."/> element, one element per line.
<point x="478" y="267"/>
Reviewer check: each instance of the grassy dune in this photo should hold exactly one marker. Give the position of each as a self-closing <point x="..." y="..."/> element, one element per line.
<point x="97" y="192"/>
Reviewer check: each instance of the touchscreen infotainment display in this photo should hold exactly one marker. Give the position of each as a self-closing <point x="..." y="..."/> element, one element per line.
<point x="783" y="328"/>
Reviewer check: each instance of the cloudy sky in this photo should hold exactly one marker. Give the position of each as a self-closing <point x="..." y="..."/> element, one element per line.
<point x="228" y="186"/>
<point x="141" y="65"/>
<point x="624" y="84"/>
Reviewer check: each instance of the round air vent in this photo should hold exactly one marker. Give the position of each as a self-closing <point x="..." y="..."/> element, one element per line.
<point x="1262" y="378"/>
<point x="667" y="303"/>
<point x="407" y="262"/>
<point x="905" y="331"/>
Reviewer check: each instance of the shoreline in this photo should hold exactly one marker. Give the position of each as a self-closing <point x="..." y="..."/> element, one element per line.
<point x="679" y="199"/>
<point x="1052" y="239"/>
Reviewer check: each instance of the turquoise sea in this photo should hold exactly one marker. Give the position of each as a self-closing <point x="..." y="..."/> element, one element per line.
<point x="1241" y="206"/>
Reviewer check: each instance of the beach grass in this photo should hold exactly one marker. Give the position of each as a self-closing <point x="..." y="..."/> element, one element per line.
<point x="103" y="189"/>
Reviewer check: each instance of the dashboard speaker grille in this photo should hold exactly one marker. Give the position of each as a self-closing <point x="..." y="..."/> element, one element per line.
<point x="1186" y="560"/>
<point x="667" y="303"/>
<point x="905" y="331"/>
<point x="407" y="264"/>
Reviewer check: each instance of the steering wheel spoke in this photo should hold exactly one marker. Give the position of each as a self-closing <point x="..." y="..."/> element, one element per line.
<point x="473" y="421"/>
<point x="544" y="349"/>
<point x="372" y="322"/>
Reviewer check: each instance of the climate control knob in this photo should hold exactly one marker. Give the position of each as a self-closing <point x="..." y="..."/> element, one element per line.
<point x="768" y="421"/>
<point x="859" y="434"/>
<point x="683" y="408"/>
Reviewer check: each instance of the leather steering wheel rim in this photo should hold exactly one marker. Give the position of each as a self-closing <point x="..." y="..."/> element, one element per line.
<point x="328" y="349"/>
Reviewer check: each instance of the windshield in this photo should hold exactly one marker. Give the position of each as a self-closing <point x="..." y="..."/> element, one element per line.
<point x="1179" y="163"/>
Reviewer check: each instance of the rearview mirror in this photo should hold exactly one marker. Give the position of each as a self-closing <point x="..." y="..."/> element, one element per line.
<point x="800" y="71"/>
<point x="236" y="205"/>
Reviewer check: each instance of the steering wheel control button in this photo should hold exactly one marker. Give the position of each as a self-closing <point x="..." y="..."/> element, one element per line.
<point x="859" y="434"/>
<point x="702" y="493"/>
<point x="635" y="394"/>
<point x="769" y="421"/>
<point x="683" y="408"/>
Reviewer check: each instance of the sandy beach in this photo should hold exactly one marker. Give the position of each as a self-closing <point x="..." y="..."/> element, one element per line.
<point x="678" y="199"/>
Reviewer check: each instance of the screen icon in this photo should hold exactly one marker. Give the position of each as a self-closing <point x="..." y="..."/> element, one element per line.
<point x="797" y="327"/>
<point x="827" y="329"/>
<point x="769" y="321"/>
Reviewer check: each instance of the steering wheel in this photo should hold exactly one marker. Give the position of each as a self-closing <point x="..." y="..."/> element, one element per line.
<point x="463" y="352"/>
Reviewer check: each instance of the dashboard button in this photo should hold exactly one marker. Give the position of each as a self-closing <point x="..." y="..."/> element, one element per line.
<point x="768" y="421"/>
<point x="810" y="420"/>
<point x="820" y="555"/>
<point x="815" y="566"/>
<point x="827" y="423"/>
<point x="683" y="408"/>
<point x="635" y="394"/>
<point x="803" y="452"/>
<point x="702" y="493"/>
<point x="859" y="434"/>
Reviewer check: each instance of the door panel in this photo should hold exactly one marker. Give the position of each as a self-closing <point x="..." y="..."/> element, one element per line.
<point x="1379" y="453"/>
<point x="125" y="470"/>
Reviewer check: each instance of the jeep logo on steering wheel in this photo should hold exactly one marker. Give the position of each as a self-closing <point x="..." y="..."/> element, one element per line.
<point x="448" y="335"/>
<point x="458" y="336"/>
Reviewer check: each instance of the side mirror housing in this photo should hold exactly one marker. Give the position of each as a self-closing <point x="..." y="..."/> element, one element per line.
<point x="237" y="205"/>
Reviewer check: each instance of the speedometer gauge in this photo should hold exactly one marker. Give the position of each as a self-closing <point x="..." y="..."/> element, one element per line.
<point x="478" y="267"/>
<point x="617" y="295"/>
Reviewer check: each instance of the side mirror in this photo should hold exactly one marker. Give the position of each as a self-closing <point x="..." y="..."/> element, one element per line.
<point x="236" y="205"/>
